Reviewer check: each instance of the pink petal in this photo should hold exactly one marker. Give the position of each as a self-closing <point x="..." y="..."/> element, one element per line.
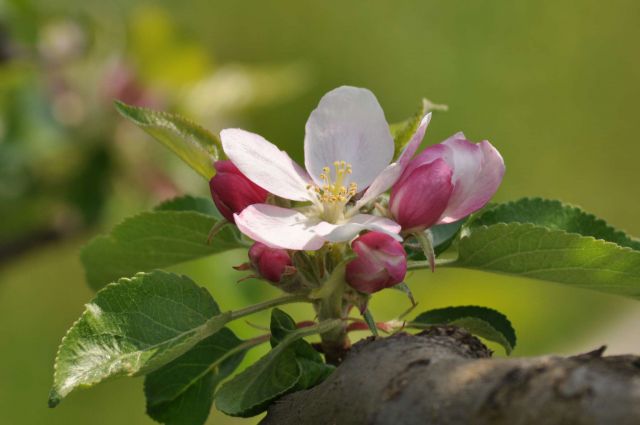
<point x="278" y="227"/>
<point x="381" y="262"/>
<point x="265" y="165"/>
<point x="348" y="125"/>
<point x="350" y="229"/>
<point x="477" y="173"/>
<point x="392" y="173"/>
<point x="419" y="199"/>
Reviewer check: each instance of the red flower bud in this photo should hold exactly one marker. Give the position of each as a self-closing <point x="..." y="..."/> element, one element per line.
<point x="421" y="195"/>
<point x="381" y="263"/>
<point x="270" y="263"/>
<point x="232" y="191"/>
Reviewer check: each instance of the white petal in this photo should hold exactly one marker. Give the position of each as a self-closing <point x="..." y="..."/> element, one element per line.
<point x="348" y="125"/>
<point x="278" y="227"/>
<point x="350" y="229"/>
<point x="392" y="173"/>
<point x="413" y="145"/>
<point x="381" y="184"/>
<point x="265" y="165"/>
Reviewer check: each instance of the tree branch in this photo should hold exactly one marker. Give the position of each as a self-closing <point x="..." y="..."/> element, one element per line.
<point x="444" y="376"/>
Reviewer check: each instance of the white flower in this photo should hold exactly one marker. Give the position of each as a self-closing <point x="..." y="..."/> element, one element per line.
<point x="348" y="148"/>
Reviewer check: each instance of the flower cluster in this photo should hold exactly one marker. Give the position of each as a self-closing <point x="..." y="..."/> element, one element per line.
<point x="351" y="194"/>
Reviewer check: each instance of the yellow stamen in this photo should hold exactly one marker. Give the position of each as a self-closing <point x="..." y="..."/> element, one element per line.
<point x="333" y="189"/>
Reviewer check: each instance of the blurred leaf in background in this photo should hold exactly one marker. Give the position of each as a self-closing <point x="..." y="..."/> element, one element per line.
<point x="66" y="157"/>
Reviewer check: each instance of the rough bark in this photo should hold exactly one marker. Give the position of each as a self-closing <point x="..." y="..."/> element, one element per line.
<point x="444" y="376"/>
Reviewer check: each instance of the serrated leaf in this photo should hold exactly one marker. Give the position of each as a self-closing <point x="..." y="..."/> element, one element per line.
<point x="541" y="253"/>
<point x="196" y="146"/>
<point x="554" y="215"/>
<point x="190" y="203"/>
<point x="133" y="327"/>
<point x="277" y="373"/>
<point x="150" y="240"/>
<point x="481" y="321"/>
<point x="181" y="392"/>
<point x="313" y="373"/>
<point x="312" y="367"/>
<point x="251" y="391"/>
<point x="281" y="326"/>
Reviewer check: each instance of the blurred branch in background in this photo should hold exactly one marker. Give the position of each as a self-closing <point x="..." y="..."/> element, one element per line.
<point x="65" y="155"/>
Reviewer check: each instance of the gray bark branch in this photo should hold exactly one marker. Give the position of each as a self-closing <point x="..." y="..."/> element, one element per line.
<point x="445" y="376"/>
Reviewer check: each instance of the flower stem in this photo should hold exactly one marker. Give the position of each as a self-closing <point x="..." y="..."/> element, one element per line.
<point x="330" y="305"/>
<point x="416" y="265"/>
<point x="319" y="328"/>
<point x="287" y="299"/>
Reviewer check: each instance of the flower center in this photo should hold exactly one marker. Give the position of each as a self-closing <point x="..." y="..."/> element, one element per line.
<point x="333" y="193"/>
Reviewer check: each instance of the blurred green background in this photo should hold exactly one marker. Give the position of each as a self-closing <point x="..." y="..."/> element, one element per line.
<point x="553" y="85"/>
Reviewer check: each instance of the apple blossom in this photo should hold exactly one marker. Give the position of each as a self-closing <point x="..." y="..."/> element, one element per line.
<point x="348" y="151"/>
<point x="381" y="262"/>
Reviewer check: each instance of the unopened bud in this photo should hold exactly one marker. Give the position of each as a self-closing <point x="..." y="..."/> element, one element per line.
<point x="232" y="192"/>
<point x="381" y="262"/>
<point x="421" y="195"/>
<point x="270" y="263"/>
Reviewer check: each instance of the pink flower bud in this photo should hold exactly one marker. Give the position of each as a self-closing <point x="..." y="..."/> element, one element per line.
<point x="232" y="192"/>
<point x="381" y="262"/>
<point x="421" y="194"/>
<point x="446" y="182"/>
<point x="270" y="263"/>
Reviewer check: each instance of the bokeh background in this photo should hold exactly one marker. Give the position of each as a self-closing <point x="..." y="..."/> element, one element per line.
<point x="554" y="85"/>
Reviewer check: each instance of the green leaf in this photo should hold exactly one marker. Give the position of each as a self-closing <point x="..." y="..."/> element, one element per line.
<point x="181" y="392"/>
<point x="313" y="373"/>
<point x="154" y="239"/>
<point x="190" y="203"/>
<point x="133" y="327"/>
<point x="403" y="131"/>
<point x="196" y="146"/>
<point x="251" y="391"/>
<point x="283" y="325"/>
<point x="282" y="370"/>
<point x="554" y="215"/>
<point x="555" y="255"/>
<point x="313" y="369"/>
<point x="481" y="321"/>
